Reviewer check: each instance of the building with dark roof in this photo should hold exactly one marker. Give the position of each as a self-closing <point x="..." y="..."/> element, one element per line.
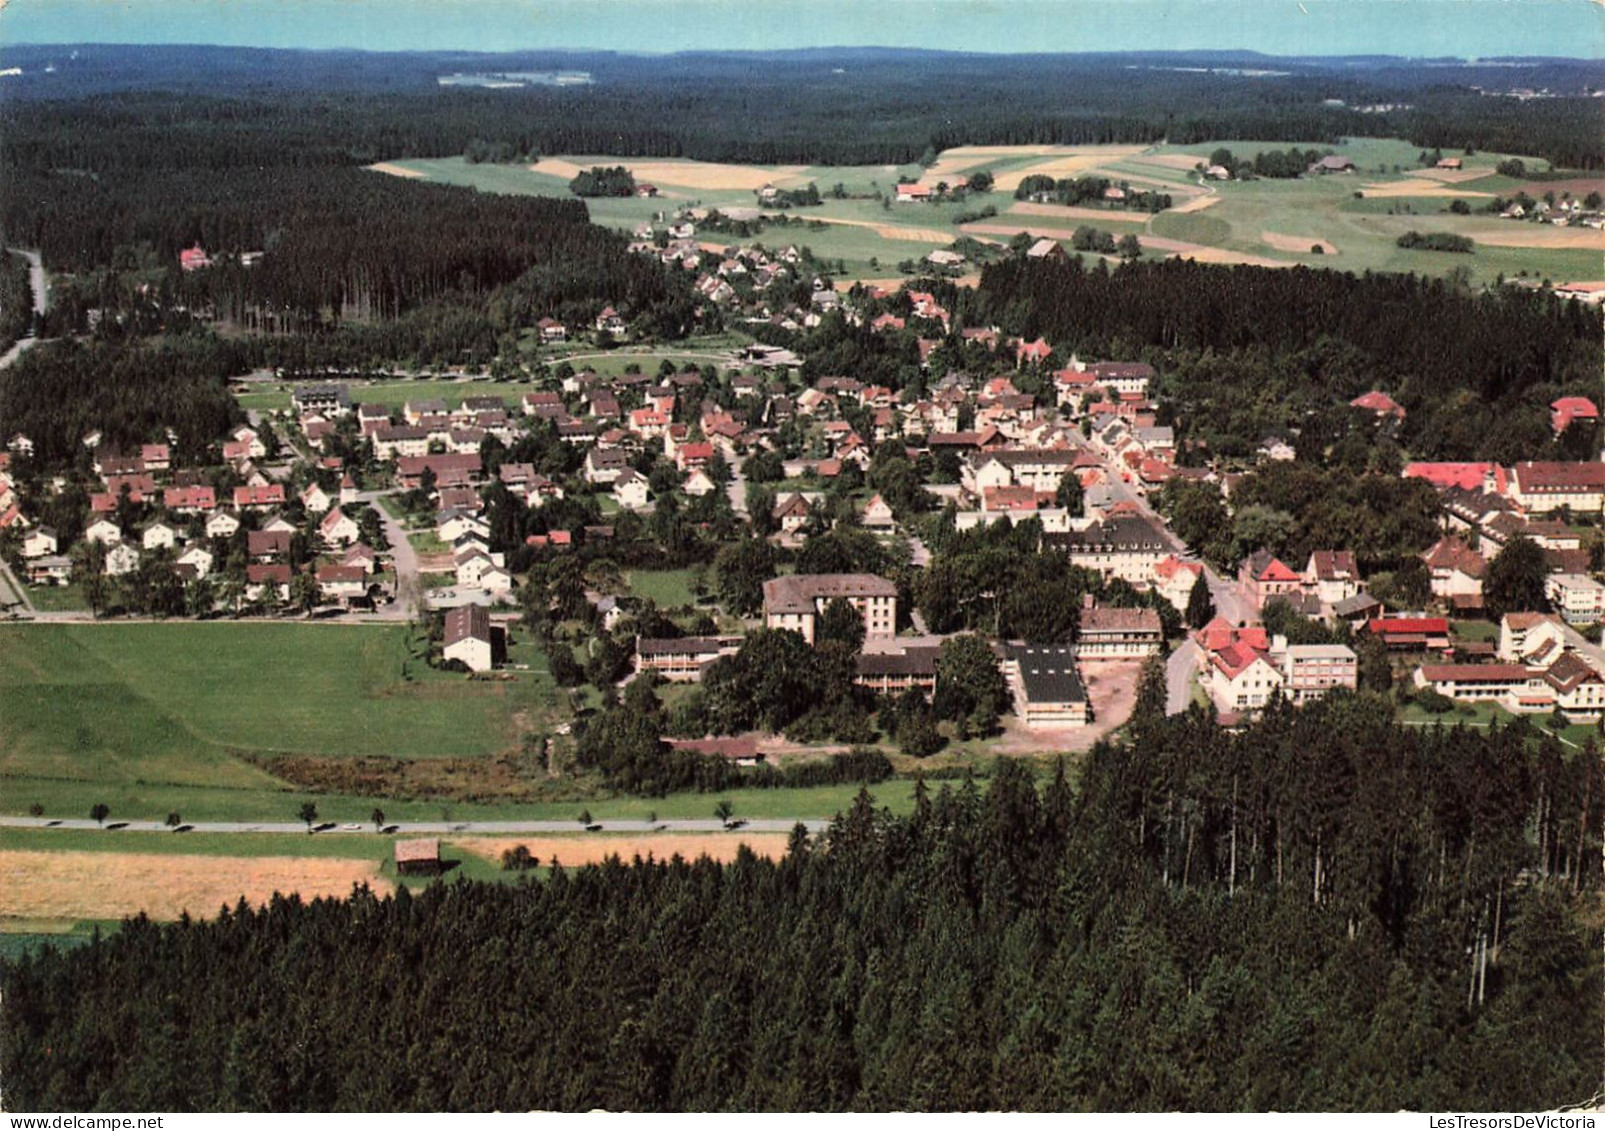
<point x="795" y="602"/>
<point x="1048" y="691"/>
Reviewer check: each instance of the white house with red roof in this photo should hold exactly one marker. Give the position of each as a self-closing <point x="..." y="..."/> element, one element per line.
<point x="1174" y="580"/>
<point x="1263" y="575"/>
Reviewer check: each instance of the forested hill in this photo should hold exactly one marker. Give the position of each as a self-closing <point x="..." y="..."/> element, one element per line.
<point x="1322" y="912"/>
<point x="834" y="106"/>
<point x="1256" y="351"/>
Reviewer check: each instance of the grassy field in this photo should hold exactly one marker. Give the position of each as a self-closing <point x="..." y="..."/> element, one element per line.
<point x="670" y="588"/>
<point x="157" y="718"/>
<point x="57" y="598"/>
<point x="142" y="711"/>
<point x="1264" y="221"/>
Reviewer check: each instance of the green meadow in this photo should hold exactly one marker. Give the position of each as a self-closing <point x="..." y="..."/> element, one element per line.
<point x="1362" y="230"/>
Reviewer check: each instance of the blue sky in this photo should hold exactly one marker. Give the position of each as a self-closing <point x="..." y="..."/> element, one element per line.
<point x="1464" y="28"/>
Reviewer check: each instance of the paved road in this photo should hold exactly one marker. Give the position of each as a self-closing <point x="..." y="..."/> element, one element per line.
<point x="41" y="302"/>
<point x="1179" y="670"/>
<point x="487" y="828"/>
<point x="1228" y="601"/>
<point x="402" y="554"/>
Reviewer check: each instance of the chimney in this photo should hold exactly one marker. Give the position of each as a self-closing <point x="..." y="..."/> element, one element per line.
<point x="1086" y="601"/>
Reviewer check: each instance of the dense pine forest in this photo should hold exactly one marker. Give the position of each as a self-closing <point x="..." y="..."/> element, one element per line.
<point x="1324" y="911"/>
<point x="826" y="107"/>
<point x="1258" y="352"/>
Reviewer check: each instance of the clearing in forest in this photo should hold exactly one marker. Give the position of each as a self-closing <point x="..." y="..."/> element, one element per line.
<point x="395" y="170"/>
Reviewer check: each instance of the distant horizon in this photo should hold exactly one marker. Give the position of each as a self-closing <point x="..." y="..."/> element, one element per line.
<point x="822" y="49"/>
<point x="1466" y="30"/>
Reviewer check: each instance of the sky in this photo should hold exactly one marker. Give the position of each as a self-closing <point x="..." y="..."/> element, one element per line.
<point x="1460" y="28"/>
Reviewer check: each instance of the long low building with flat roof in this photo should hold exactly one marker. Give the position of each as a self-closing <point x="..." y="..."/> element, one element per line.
<point x="795" y="602"/>
<point x="1048" y="691"/>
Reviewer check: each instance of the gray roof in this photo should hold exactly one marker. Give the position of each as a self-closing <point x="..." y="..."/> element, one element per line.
<point x="1049" y="673"/>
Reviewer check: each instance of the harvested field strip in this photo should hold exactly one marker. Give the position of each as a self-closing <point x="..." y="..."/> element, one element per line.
<point x="1298" y="244"/>
<point x="579" y="850"/>
<point x="1418" y="187"/>
<point x="101" y="885"/>
<point x="1205" y="254"/>
<point x="711" y="177"/>
<point x="893" y="231"/>
<point x="1542" y="235"/>
<point x="395" y="170"/>
<point x="1071" y="212"/>
<point x="556" y="167"/>
<point x="1197" y="204"/>
<point x="1182" y="161"/>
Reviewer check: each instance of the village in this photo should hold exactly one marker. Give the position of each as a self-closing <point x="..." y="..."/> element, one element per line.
<point x="340" y="508"/>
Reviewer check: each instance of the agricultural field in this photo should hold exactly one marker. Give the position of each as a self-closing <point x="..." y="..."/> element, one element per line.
<point x="1263" y="222"/>
<point x="57" y="886"/>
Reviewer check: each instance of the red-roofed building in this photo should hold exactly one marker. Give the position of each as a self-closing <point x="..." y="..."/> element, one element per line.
<point x="1379" y="404"/>
<point x="1568" y="409"/>
<point x="1263" y="575"/>
<point x="1466" y="476"/>
<point x="1032" y="353"/>
<point x="189" y="500"/>
<point x="194" y="258"/>
<point x="1411" y="633"/>
<point x="259" y="498"/>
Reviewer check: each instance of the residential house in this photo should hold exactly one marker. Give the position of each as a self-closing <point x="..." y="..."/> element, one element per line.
<point x="41" y="542"/>
<point x="1530" y="638"/>
<point x="791" y="513"/>
<point x="104" y="531"/>
<point x="159" y="536"/>
<point x="197" y="558"/>
<point x="121" y="559"/>
<point x="630" y="490"/>
<point x="468" y="637"/>
<point x="342" y="583"/>
<point x="267" y="581"/>
<point x="1263" y="576"/>
<point x="339" y="528"/>
<point x="1378" y="404"/>
<point x="1457" y="571"/>
<point x="221" y="524"/>
<point x="1174" y="579"/>
<point x="1332" y="576"/>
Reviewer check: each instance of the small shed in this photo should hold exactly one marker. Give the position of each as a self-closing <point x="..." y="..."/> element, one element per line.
<point x="418" y="857"/>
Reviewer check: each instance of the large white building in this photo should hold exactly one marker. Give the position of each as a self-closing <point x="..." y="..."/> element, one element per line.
<point x="795" y="602"/>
